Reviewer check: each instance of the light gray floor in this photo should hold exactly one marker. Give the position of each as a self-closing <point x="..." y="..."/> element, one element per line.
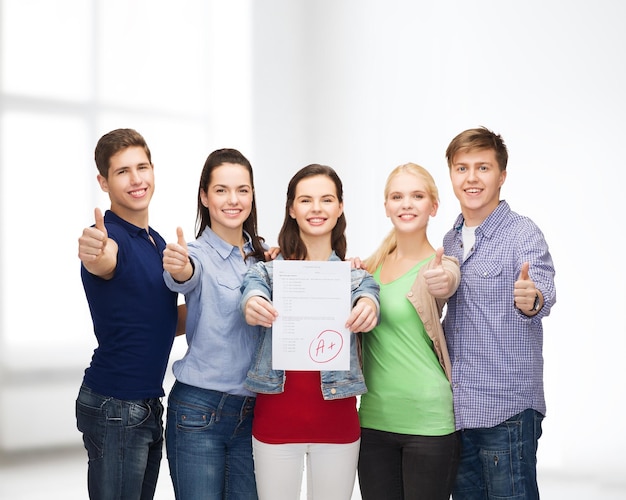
<point x="62" y="474"/>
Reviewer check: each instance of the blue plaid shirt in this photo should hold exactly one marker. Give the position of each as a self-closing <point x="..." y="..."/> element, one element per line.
<point x="496" y="350"/>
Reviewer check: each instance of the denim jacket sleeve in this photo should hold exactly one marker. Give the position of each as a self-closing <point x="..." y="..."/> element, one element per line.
<point x="364" y="285"/>
<point x="257" y="283"/>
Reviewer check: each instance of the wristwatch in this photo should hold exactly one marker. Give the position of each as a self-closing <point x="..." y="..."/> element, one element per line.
<point x="536" y="303"/>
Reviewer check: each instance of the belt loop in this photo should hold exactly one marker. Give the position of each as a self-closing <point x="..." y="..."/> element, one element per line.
<point x="220" y="406"/>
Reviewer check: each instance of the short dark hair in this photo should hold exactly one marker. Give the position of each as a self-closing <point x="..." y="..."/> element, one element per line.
<point x="115" y="141"/>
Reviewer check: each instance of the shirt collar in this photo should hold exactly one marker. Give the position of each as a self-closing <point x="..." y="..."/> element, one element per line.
<point x="491" y="223"/>
<point x="223" y="248"/>
<point x="112" y="217"/>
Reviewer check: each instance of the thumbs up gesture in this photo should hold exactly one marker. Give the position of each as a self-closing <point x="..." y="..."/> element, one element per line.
<point x="525" y="292"/>
<point x="93" y="241"/>
<point x="95" y="250"/>
<point x="176" y="258"/>
<point x="437" y="279"/>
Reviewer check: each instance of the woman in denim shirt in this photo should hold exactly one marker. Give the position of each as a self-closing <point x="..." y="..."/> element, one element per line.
<point x="209" y="411"/>
<point x="307" y="413"/>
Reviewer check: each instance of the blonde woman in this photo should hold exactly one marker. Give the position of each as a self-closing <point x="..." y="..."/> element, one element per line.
<point x="409" y="447"/>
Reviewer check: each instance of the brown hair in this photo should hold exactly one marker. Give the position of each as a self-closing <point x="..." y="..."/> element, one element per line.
<point x="203" y="217"/>
<point x="477" y="139"/>
<point x="115" y="141"/>
<point x="291" y="245"/>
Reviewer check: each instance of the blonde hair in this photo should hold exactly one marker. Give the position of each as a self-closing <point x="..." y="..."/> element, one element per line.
<point x="389" y="244"/>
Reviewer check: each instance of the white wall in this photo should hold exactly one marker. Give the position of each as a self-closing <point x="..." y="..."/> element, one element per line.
<point x="366" y="85"/>
<point x="363" y="86"/>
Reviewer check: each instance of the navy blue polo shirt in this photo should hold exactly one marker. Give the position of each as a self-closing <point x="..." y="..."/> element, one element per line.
<point x="134" y="316"/>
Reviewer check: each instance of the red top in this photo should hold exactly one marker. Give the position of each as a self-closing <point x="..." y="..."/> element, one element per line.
<point x="301" y="415"/>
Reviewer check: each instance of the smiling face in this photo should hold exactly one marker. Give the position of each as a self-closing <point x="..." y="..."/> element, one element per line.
<point x="409" y="204"/>
<point x="476" y="181"/>
<point x="228" y="198"/>
<point x="130" y="184"/>
<point x="316" y="207"/>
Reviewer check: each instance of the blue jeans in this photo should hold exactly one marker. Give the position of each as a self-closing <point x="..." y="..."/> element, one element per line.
<point x="209" y="444"/>
<point x="124" y="443"/>
<point x="500" y="462"/>
<point x="397" y="466"/>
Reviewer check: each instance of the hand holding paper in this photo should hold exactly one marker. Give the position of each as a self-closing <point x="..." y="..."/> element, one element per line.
<point x="259" y="311"/>
<point x="363" y="317"/>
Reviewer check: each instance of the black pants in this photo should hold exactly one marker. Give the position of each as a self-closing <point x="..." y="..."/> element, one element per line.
<point x="406" y="467"/>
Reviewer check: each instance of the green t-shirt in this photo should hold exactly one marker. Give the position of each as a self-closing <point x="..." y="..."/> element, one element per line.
<point x="408" y="392"/>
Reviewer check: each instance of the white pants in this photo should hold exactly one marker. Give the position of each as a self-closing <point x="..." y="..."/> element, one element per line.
<point x="331" y="470"/>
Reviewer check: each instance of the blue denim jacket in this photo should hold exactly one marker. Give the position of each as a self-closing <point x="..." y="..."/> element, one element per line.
<point x="335" y="384"/>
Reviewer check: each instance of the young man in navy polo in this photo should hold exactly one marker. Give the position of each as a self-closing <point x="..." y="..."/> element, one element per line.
<point x="118" y="409"/>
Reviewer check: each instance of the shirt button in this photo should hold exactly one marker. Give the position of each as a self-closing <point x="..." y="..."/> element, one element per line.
<point x="333" y="391"/>
<point x="410" y="294"/>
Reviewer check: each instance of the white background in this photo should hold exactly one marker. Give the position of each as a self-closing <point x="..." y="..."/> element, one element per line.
<point x="360" y="85"/>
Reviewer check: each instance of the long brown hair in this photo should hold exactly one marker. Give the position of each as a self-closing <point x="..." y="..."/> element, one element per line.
<point x="203" y="218"/>
<point x="291" y="245"/>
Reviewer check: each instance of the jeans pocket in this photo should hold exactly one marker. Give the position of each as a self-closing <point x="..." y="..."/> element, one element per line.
<point x="91" y="422"/>
<point x="138" y="413"/>
<point x="501" y="460"/>
<point x="193" y="419"/>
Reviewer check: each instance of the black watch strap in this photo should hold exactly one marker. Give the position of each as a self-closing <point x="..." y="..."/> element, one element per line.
<point x="536" y="303"/>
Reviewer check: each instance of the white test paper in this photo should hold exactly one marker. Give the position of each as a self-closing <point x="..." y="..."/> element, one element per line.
<point x="313" y="303"/>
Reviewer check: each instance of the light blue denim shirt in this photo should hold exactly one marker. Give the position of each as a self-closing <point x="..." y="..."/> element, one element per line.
<point x="220" y="342"/>
<point x="335" y="384"/>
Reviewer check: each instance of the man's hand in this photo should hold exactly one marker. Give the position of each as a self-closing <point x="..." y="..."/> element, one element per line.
<point x="525" y="292"/>
<point x="92" y="243"/>
<point x="96" y="251"/>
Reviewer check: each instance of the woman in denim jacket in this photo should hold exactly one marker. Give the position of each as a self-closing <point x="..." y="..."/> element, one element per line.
<point x="307" y="413"/>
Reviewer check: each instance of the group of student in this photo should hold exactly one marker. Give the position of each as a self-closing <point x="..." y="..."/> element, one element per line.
<point x="440" y="414"/>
